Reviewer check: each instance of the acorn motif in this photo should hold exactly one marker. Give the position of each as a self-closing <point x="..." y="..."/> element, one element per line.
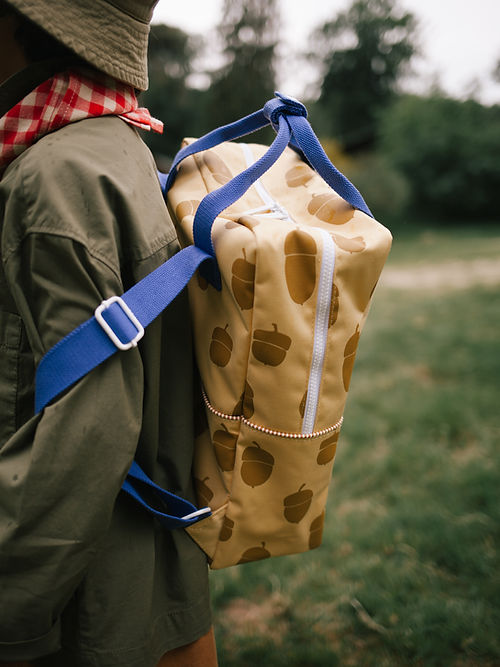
<point x="257" y="465"/>
<point x="298" y="175"/>
<point x="316" y="531"/>
<point x="217" y="167"/>
<point x="226" y="530"/>
<point x="254" y="553"/>
<point x="300" y="265"/>
<point x="327" y="449"/>
<point x="330" y="208"/>
<point x="203" y="492"/>
<point x="221" y="346"/>
<point x="245" y="405"/>
<point x="349" y="356"/>
<point x="225" y="448"/>
<point x="242" y="281"/>
<point x="357" y="244"/>
<point x="297" y="504"/>
<point x="334" y="306"/>
<point x="186" y="208"/>
<point x="270" y="347"/>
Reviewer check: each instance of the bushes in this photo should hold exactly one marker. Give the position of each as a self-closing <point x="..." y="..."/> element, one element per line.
<point x="384" y="188"/>
<point x="449" y="151"/>
<point x="436" y="157"/>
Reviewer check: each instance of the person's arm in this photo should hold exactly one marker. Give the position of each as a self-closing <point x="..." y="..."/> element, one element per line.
<point x="61" y="472"/>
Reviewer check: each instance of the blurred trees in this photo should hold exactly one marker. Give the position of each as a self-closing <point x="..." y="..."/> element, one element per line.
<point x="449" y="151"/>
<point x="171" y="54"/>
<point x="409" y="155"/>
<point x="363" y="53"/>
<point x="249" y="32"/>
<point x="496" y="72"/>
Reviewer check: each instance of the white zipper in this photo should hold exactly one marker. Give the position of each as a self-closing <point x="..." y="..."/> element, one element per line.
<point x="323" y="302"/>
<point x="272" y="208"/>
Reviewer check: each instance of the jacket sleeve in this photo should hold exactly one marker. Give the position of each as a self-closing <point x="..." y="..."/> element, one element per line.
<point x="61" y="472"/>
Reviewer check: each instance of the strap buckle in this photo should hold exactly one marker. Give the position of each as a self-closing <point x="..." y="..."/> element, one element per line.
<point x="109" y="330"/>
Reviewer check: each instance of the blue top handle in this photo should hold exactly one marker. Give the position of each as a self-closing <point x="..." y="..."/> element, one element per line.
<point x="289" y="119"/>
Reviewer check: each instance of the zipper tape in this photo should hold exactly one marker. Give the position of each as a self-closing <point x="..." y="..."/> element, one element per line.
<point x="323" y="299"/>
<point x="323" y="302"/>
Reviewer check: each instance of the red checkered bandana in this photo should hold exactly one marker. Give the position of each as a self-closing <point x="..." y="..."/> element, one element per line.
<point x="66" y="98"/>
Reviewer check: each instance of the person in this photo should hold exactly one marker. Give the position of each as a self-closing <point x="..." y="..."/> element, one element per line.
<point x="88" y="578"/>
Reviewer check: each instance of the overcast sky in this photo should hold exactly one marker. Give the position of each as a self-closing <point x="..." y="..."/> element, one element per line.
<point x="459" y="39"/>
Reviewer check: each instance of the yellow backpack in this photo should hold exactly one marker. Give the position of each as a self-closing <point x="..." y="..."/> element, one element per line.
<point x="276" y="336"/>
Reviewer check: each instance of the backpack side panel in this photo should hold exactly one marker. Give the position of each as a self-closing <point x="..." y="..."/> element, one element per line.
<point x="275" y="348"/>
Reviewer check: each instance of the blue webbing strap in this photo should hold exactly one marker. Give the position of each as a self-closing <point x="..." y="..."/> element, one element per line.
<point x="218" y="200"/>
<point x="181" y="513"/>
<point x="89" y="345"/>
<point x="313" y="150"/>
<point x="289" y="119"/>
<point x="247" y="125"/>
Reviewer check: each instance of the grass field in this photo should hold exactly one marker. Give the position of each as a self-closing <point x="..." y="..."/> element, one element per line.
<point x="409" y="571"/>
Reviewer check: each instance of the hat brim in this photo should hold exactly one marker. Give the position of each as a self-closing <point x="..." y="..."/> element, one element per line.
<point x="98" y="32"/>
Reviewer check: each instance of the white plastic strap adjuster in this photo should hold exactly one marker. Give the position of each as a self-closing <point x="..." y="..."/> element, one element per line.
<point x="109" y="331"/>
<point x="203" y="512"/>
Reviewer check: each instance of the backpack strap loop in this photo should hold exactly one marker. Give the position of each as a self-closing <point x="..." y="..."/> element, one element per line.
<point x="218" y="200"/>
<point x="171" y="510"/>
<point x="281" y="105"/>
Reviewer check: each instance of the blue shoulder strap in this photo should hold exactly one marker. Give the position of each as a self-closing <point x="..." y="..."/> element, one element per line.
<point x="171" y="510"/>
<point x="118" y="323"/>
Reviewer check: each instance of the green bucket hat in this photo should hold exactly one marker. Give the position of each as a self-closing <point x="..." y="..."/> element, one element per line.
<point x="111" y="35"/>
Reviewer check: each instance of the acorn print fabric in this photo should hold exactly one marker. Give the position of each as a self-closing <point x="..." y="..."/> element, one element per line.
<point x="275" y="348"/>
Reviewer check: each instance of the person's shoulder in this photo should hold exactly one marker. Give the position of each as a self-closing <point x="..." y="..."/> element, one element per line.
<point x="94" y="181"/>
<point x="93" y="147"/>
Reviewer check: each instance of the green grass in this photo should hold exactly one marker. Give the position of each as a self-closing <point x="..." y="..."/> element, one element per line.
<point x="434" y="244"/>
<point x="408" y="573"/>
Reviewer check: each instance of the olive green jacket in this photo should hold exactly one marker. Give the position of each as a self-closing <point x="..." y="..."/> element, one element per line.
<point x="82" y="219"/>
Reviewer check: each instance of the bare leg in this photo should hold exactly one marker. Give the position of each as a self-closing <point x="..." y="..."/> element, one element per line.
<point x="201" y="653"/>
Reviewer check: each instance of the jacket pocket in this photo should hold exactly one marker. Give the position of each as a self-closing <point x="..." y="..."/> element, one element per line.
<point x="10" y="343"/>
